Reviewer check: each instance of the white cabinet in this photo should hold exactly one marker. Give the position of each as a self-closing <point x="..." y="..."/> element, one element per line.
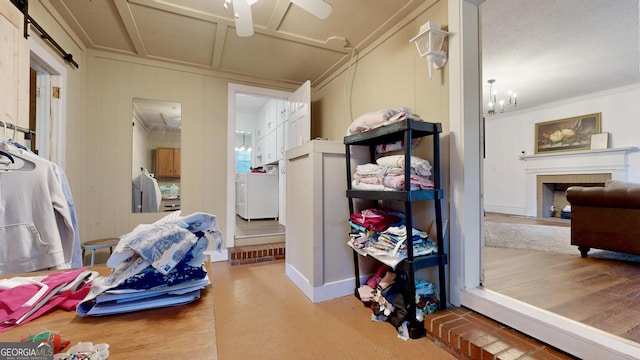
<point x="270" y="133"/>
<point x="280" y="138"/>
<point x="318" y="261"/>
<point x="299" y="117"/>
<point x="281" y="111"/>
<point x="270" y="148"/>
<point x="257" y="195"/>
<point x="282" y="187"/>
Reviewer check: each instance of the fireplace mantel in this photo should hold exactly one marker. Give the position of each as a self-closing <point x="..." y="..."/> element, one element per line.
<point x="613" y="161"/>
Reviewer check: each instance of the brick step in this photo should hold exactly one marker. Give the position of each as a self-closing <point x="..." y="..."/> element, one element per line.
<point x="251" y="254"/>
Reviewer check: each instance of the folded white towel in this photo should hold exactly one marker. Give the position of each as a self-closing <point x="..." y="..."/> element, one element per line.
<point x="420" y="166"/>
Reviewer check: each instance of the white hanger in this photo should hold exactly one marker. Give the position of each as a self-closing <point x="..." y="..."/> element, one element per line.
<point x="13" y="153"/>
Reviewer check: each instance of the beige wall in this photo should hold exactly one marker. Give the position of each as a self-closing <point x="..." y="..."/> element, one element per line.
<point x="112" y="82"/>
<point x="99" y="95"/>
<point x="390" y="74"/>
<point x="98" y="129"/>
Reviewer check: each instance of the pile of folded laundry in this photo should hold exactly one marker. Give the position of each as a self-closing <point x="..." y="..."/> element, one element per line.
<point x="155" y="265"/>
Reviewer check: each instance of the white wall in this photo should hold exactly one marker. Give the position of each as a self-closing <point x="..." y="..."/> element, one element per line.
<point x="508" y="134"/>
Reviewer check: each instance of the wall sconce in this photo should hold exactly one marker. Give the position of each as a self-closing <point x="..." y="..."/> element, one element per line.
<point x="429" y="42"/>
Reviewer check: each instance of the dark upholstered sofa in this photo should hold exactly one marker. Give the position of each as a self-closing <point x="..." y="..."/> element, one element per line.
<point x="606" y="217"/>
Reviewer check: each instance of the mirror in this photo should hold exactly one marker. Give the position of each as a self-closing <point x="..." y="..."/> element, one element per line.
<point x="155" y="165"/>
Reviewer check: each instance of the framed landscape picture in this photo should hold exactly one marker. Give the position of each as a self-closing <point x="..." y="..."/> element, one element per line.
<point x="569" y="134"/>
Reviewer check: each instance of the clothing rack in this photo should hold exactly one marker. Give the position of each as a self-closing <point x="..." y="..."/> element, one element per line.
<point x="28" y="133"/>
<point x="7" y="125"/>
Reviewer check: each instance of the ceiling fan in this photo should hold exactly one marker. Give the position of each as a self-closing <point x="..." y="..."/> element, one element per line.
<point x="244" y="20"/>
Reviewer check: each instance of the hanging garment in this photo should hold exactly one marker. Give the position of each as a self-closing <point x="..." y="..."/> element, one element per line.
<point x="73" y="251"/>
<point x="146" y="195"/>
<point x="35" y="220"/>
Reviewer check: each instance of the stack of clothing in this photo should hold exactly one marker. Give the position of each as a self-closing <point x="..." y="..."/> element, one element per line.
<point x="375" y="119"/>
<point x="25" y="298"/>
<point x="387" y="294"/>
<point x="156" y="265"/>
<point x="388" y="174"/>
<point x="383" y="234"/>
<point x="427" y="298"/>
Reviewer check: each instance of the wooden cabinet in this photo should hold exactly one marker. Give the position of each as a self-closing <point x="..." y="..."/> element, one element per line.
<point x="167" y="162"/>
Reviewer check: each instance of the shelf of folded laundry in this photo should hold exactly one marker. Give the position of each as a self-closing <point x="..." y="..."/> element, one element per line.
<point x="399" y="261"/>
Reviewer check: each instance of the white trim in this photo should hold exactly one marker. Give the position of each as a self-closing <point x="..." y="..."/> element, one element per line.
<point x="217" y="256"/>
<point x="466" y="205"/>
<point x="325" y="292"/>
<point x="464" y="152"/>
<point x="233" y="90"/>
<point x="57" y="69"/>
<point x="570" y="336"/>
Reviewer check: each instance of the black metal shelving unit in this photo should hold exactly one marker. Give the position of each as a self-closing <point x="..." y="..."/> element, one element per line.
<point x="406" y="130"/>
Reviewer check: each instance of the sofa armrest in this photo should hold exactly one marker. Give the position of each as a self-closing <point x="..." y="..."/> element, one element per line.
<point x="596" y="196"/>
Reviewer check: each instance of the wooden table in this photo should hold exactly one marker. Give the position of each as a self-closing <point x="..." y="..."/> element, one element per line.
<point x="179" y="332"/>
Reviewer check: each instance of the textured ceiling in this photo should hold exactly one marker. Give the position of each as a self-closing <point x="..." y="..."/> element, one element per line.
<point x="550" y="50"/>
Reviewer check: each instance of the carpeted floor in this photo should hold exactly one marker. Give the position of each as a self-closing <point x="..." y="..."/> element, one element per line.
<point x="554" y="239"/>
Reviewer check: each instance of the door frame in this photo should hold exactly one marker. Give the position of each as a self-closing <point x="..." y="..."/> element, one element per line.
<point x="233" y="90"/>
<point x="52" y="112"/>
<point x="467" y="206"/>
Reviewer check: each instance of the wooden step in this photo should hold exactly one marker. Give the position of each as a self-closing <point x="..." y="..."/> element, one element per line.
<point x="252" y="254"/>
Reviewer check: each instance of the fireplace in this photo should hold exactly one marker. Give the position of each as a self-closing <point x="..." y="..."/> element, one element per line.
<point x="560" y="170"/>
<point x="551" y="190"/>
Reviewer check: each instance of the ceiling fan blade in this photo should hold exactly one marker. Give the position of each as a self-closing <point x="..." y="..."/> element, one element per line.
<point x="244" y="20"/>
<point x="318" y="8"/>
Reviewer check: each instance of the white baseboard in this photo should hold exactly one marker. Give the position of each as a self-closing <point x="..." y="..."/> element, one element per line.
<point x="501" y="209"/>
<point x="325" y="292"/>
<point x="217" y="256"/>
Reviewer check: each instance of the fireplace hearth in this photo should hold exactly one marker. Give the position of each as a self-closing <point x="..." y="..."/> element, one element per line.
<point x="551" y="191"/>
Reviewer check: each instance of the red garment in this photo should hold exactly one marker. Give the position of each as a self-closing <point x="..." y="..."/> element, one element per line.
<point x="12" y="300"/>
<point x="375" y="219"/>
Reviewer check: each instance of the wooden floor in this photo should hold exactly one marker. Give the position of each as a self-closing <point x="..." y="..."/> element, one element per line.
<point x="602" y="293"/>
<point x="261" y="314"/>
<point x="260" y="227"/>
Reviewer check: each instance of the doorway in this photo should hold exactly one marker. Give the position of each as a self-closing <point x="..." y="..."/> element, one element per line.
<point x="243" y="101"/>
<point x="47" y="109"/>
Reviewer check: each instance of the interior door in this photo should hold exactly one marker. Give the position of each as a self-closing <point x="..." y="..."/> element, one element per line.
<point x="299" y="119"/>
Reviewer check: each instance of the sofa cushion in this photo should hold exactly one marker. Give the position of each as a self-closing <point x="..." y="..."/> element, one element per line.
<point x="617" y="184"/>
<point x="606" y="197"/>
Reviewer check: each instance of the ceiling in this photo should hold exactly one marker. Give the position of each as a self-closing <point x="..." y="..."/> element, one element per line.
<point x="545" y="50"/>
<point x="158" y="116"/>
<point x="550" y="50"/>
<point x="289" y="44"/>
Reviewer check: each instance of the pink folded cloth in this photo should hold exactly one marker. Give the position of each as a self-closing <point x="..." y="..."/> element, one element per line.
<point x="23" y="303"/>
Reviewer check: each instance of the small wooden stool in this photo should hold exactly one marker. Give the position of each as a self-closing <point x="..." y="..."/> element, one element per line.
<point x="94" y="245"/>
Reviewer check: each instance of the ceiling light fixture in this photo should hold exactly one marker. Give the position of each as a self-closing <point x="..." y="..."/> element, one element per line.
<point x="244" y="146"/>
<point x="498" y="104"/>
<point x="430" y="43"/>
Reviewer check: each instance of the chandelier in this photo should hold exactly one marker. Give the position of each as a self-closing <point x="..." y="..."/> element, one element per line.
<point x="497" y="104"/>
